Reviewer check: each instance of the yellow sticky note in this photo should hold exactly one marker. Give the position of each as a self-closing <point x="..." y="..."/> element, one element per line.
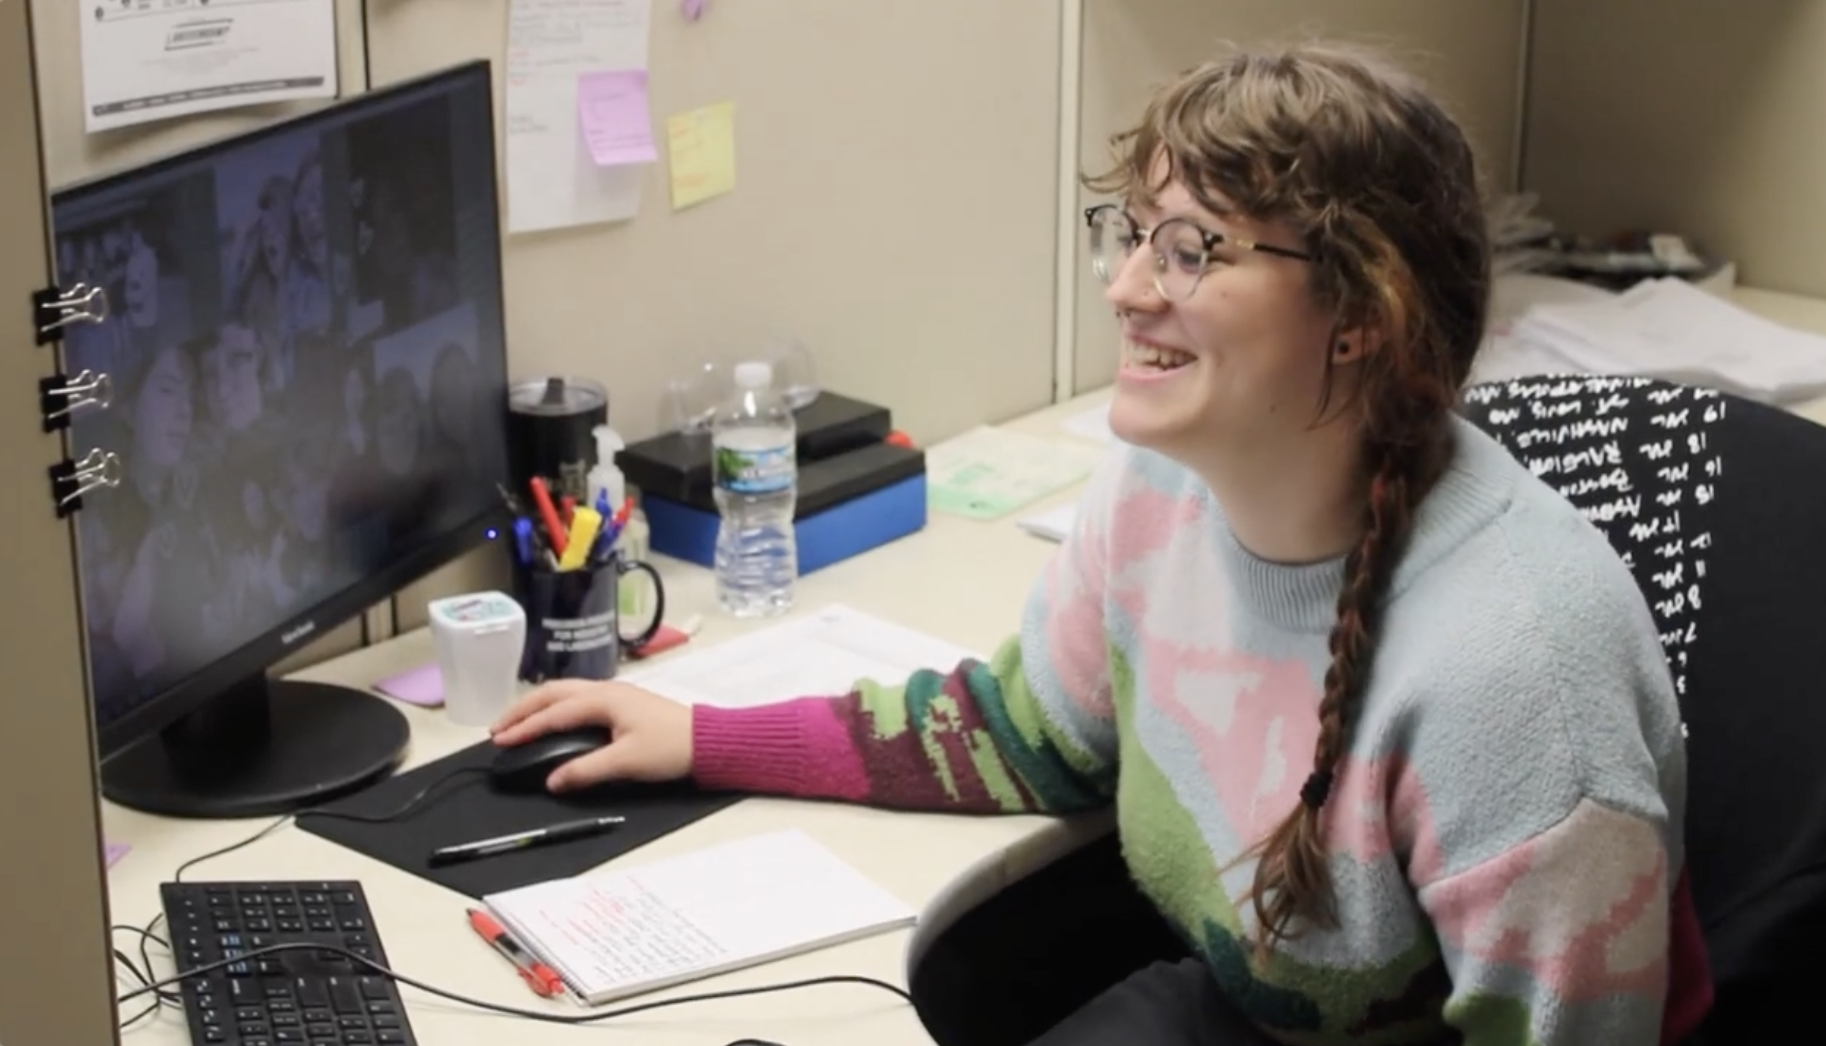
<point x="701" y="144"/>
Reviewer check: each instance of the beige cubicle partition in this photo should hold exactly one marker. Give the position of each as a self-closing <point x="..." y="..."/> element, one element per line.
<point x="1471" y="52"/>
<point x="71" y="154"/>
<point x="1689" y="116"/>
<point x="894" y="208"/>
<point x="56" y="975"/>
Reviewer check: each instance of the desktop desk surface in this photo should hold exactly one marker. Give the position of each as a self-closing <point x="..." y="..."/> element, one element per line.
<point x="941" y="863"/>
<point x="936" y="862"/>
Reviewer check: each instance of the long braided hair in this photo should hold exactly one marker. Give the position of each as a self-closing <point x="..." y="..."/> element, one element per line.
<point x="1382" y="185"/>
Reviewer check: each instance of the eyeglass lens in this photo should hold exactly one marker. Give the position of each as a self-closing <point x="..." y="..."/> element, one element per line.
<point x="1178" y="248"/>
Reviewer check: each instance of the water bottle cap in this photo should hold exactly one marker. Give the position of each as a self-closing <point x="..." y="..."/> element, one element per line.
<point x="755" y="374"/>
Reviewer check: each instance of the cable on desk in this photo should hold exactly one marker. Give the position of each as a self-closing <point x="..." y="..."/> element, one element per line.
<point x="149" y="933"/>
<point x="515" y="1011"/>
<point x="158" y="988"/>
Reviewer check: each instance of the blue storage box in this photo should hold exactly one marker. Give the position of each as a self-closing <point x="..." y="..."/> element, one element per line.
<point x="829" y="536"/>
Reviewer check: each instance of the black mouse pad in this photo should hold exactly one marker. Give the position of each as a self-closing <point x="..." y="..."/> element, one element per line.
<point x="462" y="806"/>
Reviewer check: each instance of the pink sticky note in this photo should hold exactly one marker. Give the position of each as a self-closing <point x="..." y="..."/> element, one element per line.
<point x="694" y="9"/>
<point x="423" y="685"/>
<point x="612" y="109"/>
<point x="115" y="851"/>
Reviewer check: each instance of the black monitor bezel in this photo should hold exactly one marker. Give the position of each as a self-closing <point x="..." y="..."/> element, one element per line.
<point x="260" y="654"/>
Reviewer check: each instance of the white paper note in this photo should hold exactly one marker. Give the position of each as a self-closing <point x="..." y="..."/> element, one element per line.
<point x="1093" y="424"/>
<point x="552" y="180"/>
<point x="145" y="60"/>
<point x="1055" y="524"/>
<point x="823" y="653"/>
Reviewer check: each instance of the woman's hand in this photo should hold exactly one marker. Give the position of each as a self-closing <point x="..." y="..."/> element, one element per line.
<point x="651" y="735"/>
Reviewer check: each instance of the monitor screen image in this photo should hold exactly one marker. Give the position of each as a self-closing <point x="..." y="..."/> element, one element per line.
<point x="306" y="355"/>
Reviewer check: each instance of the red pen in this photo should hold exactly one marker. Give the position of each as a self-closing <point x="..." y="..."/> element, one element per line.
<point x="542" y="979"/>
<point x="554" y="527"/>
<point x="567" y="509"/>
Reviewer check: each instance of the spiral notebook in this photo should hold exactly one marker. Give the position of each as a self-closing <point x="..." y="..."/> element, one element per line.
<point x="618" y="933"/>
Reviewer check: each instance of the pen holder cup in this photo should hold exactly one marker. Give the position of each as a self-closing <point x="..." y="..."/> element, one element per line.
<point x="573" y="625"/>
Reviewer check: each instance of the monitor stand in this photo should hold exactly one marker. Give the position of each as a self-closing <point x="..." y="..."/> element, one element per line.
<point x="264" y="747"/>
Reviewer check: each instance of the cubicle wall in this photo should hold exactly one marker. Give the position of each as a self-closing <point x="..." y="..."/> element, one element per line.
<point x="894" y="208"/>
<point x="1469" y="51"/>
<point x="895" y="201"/>
<point x="71" y="154"/>
<point x="56" y="976"/>
<point x="1691" y="116"/>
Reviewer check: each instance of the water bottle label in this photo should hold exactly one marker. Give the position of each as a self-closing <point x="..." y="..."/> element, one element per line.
<point x="765" y="471"/>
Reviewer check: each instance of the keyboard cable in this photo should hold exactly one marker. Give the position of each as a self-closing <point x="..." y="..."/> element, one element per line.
<point x="148" y="934"/>
<point x="161" y="993"/>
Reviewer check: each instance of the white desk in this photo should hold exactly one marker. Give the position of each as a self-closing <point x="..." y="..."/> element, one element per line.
<point x="943" y="862"/>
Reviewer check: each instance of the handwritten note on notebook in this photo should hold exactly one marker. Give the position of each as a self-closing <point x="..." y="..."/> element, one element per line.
<point x="825" y="652"/>
<point x="553" y="181"/>
<point x="617" y="933"/>
<point x="612" y="109"/>
<point x="701" y="145"/>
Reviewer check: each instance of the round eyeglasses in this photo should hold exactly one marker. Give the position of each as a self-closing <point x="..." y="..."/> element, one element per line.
<point x="1182" y="250"/>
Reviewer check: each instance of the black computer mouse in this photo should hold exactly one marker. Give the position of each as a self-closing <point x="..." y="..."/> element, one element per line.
<point x="524" y="767"/>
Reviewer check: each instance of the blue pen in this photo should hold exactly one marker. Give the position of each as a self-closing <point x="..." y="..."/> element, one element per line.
<point x="523" y="540"/>
<point x="602" y="504"/>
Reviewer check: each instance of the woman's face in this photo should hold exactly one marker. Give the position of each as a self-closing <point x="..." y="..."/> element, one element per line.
<point x="162" y="411"/>
<point x="307" y="501"/>
<point x="142" y="285"/>
<point x="392" y="237"/>
<point x="275" y="228"/>
<point x="396" y="425"/>
<point x="453" y="397"/>
<point x="307" y="209"/>
<point x="231" y="378"/>
<point x="1240" y="364"/>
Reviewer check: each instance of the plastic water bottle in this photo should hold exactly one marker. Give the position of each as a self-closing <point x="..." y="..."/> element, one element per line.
<point x="754" y="465"/>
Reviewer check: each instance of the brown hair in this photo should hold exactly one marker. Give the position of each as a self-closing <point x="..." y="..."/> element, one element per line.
<point x="1381" y="184"/>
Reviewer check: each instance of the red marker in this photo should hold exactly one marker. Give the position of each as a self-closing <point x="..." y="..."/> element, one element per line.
<point x="542" y="979"/>
<point x="548" y="512"/>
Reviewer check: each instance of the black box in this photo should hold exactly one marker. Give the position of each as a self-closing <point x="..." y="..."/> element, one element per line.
<point x="677" y="466"/>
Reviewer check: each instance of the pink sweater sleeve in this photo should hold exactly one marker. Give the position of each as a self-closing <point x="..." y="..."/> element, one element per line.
<point x="795" y="747"/>
<point x="1032" y="728"/>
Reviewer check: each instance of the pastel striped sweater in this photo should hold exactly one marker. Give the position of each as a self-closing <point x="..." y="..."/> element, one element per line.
<point x="1504" y="832"/>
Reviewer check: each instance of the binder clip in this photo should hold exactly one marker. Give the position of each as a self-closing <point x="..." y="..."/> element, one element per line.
<point x="70" y="480"/>
<point x="54" y="308"/>
<point x="58" y="397"/>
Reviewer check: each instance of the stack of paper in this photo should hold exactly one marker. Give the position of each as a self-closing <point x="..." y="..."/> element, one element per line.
<point x="1092" y="424"/>
<point x="624" y="931"/>
<point x="1667" y="329"/>
<point x="1055" y="524"/>
<point x="825" y="652"/>
<point x="987" y="472"/>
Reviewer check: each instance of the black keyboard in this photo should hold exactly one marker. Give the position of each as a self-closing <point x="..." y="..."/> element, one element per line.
<point x="296" y="997"/>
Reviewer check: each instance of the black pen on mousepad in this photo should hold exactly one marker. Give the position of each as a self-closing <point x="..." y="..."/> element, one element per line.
<point x="501" y="844"/>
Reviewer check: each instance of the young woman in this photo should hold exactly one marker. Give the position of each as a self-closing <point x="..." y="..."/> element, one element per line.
<point x="1385" y="722"/>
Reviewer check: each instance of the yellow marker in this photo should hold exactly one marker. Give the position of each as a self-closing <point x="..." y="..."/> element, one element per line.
<point x="585" y="523"/>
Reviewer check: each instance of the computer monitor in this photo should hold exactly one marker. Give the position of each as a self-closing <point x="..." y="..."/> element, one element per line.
<point x="309" y="389"/>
